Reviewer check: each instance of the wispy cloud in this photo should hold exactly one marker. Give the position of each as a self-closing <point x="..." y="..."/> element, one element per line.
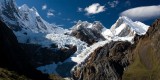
<point x="113" y="3"/>
<point x="74" y="22"/>
<point x="94" y="9"/>
<point x="50" y="13"/>
<point x="80" y="9"/>
<point x="142" y="13"/>
<point x="44" y="7"/>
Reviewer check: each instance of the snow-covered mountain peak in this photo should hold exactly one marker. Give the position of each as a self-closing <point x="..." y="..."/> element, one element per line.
<point x="96" y="25"/>
<point x="24" y="7"/>
<point x="35" y="11"/>
<point x="126" y="27"/>
<point x="88" y="32"/>
<point x="81" y="24"/>
<point x="121" y="20"/>
<point x="123" y="28"/>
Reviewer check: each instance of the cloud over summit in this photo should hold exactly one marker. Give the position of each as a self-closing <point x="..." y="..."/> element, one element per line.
<point x="142" y="13"/>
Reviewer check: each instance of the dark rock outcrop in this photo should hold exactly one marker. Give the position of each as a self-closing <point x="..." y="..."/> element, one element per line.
<point x="88" y="35"/>
<point x="13" y="57"/>
<point x="39" y="56"/>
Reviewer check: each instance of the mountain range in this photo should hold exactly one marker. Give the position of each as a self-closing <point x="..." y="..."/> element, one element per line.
<point x="87" y="51"/>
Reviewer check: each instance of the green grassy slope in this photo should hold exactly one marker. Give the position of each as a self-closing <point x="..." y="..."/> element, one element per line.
<point x="146" y="58"/>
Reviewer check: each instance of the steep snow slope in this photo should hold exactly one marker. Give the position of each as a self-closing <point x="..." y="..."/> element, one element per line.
<point x="126" y="27"/>
<point x="26" y="23"/>
<point x="107" y="34"/>
<point x="32" y="21"/>
<point x="85" y="53"/>
<point x="34" y="27"/>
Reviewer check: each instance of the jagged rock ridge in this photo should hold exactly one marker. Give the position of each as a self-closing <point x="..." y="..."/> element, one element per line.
<point x="88" y="32"/>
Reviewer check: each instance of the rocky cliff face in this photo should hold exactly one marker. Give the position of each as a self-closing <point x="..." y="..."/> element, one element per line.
<point x="105" y="63"/>
<point x="122" y="60"/>
<point x="13" y="57"/>
<point x="88" y="32"/>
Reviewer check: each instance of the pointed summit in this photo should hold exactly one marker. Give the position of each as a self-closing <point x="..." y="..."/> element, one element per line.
<point x="126" y="27"/>
<point x="24" y="7"/>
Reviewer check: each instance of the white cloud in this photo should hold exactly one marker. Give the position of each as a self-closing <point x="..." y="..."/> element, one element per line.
<point x="80" y="9"/>
<point x="50" y="13"/>
<point x="143" y="13"/>
<point x="113" y="3"/>
<point x="94" y="9"/>
<point x="44" y="7"/>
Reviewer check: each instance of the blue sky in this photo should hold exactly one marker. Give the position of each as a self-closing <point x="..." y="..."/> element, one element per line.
<point x="66" y="13"/>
